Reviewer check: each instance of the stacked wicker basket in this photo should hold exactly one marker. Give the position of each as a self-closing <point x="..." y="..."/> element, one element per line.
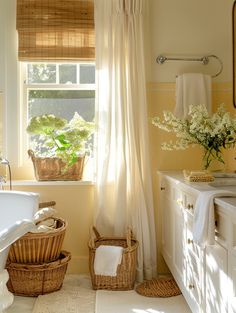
<point x="36" y="264"/>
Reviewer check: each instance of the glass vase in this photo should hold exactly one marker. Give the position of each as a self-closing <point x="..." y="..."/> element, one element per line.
<point x="210" y="156"/>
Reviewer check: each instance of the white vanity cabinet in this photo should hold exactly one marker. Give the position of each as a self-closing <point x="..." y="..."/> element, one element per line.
<point x="206" y="277"/>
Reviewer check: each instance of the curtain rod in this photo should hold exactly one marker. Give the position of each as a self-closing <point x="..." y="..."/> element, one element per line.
<point x="204" y="60"/>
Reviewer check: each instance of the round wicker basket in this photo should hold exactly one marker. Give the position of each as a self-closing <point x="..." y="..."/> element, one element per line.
<point x="163" y="287"/>
<point x="33" y="280"/>
<point x="36" y="248"/>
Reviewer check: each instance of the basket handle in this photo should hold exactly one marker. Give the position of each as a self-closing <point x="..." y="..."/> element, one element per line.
<point x="31" y="153"/>
<point x="97" y="234"/>
<point x="129" y="236"/>
<point x="46" y="204"/>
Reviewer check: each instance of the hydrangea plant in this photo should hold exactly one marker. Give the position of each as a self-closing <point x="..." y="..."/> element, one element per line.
<point x="53" y="136"/>
<point x="213" y="132"/>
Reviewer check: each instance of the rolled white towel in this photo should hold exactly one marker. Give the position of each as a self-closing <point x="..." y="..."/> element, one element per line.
<point x="107" y="259"/>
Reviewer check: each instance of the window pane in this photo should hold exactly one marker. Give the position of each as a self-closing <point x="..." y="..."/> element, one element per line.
<point x="62" y="103"/>
<point x="67" y="74"/>
<point x="87" y="74"/>
<point x="41" y="73"/>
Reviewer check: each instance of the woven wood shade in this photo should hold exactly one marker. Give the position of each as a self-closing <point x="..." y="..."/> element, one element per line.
<point x="55" y="30"/>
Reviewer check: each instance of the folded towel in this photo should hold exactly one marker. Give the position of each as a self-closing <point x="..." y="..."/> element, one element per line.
<point x="47" y="225"/>
<point x="224" y="182"/>
<point x="107" y="258"/>
<point x="224" y="174"/>
<point x="43" y="214"/>
<point x="192" y="89"/>
<point x="204" y="218"/>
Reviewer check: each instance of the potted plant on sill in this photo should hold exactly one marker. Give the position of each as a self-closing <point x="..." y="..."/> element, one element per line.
<point x="58" y="146"/>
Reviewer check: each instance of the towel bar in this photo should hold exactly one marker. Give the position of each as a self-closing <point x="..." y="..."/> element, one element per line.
<point x="204" y="60"/>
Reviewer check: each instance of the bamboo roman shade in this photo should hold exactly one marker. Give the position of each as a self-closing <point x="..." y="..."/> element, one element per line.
<point x="55" y="30"/>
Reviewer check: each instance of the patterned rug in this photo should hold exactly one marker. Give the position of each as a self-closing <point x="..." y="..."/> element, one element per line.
<point x="74" y="297"/>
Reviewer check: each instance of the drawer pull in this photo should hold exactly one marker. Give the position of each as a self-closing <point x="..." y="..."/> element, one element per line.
<point x="190" y="206"/>
<point x="163" y="188"/>
<point x="190" y="286"/>
<point x="190" y="241"/>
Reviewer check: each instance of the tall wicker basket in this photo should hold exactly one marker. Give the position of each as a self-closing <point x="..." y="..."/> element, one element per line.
<point x="126" y="271"/>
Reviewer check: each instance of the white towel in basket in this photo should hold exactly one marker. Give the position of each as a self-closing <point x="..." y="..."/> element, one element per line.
<point x="107" y="259"/>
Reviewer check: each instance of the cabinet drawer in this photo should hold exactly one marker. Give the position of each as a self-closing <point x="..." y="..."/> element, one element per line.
<point x="192" y="246"/>
<point x="190" y="201"/>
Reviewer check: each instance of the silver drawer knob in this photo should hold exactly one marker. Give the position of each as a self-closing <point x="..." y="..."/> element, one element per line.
<point x="190" y="286"/>
<point x="190" y="241"/>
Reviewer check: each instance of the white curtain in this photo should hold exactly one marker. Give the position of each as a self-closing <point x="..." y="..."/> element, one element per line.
<point x="124" y="191"/>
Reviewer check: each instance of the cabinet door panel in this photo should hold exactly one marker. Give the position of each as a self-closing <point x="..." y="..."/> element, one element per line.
<point x="216" y="279"/>
<point x="167" y="229"/>
<point x="179" y="244"/>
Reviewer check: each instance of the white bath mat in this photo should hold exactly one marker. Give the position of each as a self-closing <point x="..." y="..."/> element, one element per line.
<point x="132" y="302"/>
<point x="74" y="297"/>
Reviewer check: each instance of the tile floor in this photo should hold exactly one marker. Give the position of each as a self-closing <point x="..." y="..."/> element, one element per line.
<point x="26" y="304"/>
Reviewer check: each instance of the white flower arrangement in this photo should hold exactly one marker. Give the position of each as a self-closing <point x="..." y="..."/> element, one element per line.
<point x="214" y="133"/>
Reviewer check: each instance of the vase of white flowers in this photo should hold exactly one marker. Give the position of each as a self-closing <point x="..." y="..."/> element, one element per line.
<point x="213" y="133"/>
<point x="58" y="146"/>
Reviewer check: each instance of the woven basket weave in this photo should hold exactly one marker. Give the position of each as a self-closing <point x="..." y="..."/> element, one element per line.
<point x="126" y="271"/>
<point x="52" y="168"/>
<point x="33" y="280"/>
<point x="35" y="248"/>
<point x="163" y="287"/>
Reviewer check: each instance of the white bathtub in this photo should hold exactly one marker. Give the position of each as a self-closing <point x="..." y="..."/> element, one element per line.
<point x="16" y="213"/>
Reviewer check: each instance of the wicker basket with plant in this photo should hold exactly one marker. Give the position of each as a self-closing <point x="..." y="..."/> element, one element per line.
<point x="58" y="146"/>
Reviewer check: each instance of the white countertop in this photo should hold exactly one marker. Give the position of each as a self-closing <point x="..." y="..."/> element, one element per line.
<point x="227" y="203"/>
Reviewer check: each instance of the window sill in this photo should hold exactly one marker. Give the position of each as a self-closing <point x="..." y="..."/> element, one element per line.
<point x="50" y="183"/>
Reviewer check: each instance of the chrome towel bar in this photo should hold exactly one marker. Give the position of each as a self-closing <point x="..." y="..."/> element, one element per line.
<point x="204" y="60"/>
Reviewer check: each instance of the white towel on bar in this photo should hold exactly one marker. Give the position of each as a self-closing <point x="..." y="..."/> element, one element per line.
<point x="107" y="259"/>
<point x="192" y="89"/>
<point x="204" y="217"/>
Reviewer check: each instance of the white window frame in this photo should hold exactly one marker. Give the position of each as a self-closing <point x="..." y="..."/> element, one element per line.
<point x="24" y="88"/>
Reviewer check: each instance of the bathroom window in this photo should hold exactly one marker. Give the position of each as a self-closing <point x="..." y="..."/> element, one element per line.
<point x="57" y="88"/>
